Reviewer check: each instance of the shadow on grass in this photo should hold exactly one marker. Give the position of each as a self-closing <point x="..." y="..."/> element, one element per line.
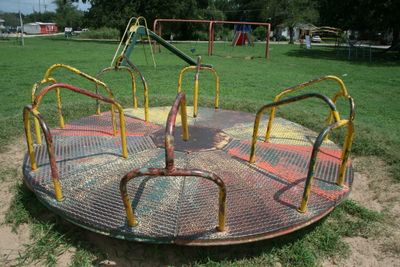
<point x="99" y="248"/>
<point x="379" y="57"/>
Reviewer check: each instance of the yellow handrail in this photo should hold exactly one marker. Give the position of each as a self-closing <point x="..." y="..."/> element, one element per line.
<point x="133" y="80"/>
<point x="35" y="120"/>
<point x="44" y="91"/>
<point x="196" y="85"/>
<point x="285" y="101"/>
<point x="342" y="92"/>
<point x="144" y="82"/>
<point x="50" y="148"/>
<point x="47" y="78"/>
<point x="122" y="40"/>
<point x="344" y="158"/>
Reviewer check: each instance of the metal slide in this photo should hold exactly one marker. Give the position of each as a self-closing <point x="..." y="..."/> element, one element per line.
<point x="141" y="30"/>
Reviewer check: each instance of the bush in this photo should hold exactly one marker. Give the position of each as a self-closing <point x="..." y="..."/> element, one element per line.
<point x="281" y="38"/>
<point x="260" y="33"/>
<point x="101" y="33"/>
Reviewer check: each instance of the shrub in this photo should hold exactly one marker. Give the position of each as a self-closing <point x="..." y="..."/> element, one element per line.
<point x="101" y="33"/>
<point x="260" y="33"/>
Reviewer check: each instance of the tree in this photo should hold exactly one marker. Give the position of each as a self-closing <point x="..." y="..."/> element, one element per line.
<point x="67" y="15"/>
<point x="297" y="11"/>
<point x="42" y="17"/>
<point x="117" y="13"/>
<point x="367" y="16"/>
<point x="10" y="18"/>
<point x="278" y="12"/>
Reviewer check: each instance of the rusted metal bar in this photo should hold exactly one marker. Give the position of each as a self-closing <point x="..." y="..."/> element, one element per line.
<point x="342" y="92"/>
<point x="130" y="214"/>
<point x="313" y="159"/>
<point x="260" y="112"/>
<point x="180" y="101"/>
<point x="133" y="80"/>
<point x="50" y="147"/>
<point x="82" y="74"/>
<point x="170" y="169"/>
<point x="58" y="98"/>
<point x="145" y="86"/>
<point x="44" y="91"/>
<point x="347" y="144"/>
<point x="195" y="96"/>
<point x="47" y="78"/>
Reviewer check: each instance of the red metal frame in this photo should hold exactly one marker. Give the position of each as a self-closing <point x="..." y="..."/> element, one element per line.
<point x="211" y="29"/>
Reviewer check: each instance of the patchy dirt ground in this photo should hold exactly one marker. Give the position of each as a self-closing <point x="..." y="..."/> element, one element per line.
<point x="372" y="188"/>
<point x="10" y="242"/>
<point x="375" y="190"/>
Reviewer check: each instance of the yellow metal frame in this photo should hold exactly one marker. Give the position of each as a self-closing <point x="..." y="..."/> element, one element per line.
<point x="342" y="92"/>
<point x="259" y="114"/>
<point x="196" y="85"/>
<point x="343" y="165"/>
<point x="338" y="123"/>
<point x="39" y="98"/>
<point x="131" y="29"/>
<point x="145" y="86"/>
<point x="56" y="182"/>
<point x="133" y="80"/>
<point x="36" y="114"/>
<point x="47" y="79"/>
<point x="59" y="107"/>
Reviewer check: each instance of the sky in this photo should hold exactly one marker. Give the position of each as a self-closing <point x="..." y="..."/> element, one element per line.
<point x="28" y="6"/>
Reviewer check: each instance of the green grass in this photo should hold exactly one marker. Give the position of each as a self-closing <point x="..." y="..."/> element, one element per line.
<point x="246" y="84"/>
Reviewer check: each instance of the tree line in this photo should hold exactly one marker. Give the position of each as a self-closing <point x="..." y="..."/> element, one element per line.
<point x="369" y="17"/>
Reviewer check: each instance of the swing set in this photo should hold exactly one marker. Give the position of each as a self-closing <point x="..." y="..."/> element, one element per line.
<point x="157" y="28"/>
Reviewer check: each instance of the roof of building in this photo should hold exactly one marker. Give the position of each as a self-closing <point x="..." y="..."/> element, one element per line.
<point x="41" y="23"/>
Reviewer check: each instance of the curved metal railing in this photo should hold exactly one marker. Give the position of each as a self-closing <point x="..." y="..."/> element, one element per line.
<point x="48" y="79"/>
<point x="341" y="92"/>
<point x="33" y="109"/>
<point x="262" y="110"/>
<point x="44" y="91"/>
<point x="50" y="147"/>
<point x="144" y="82"/>
<point x="197" y="69"/>
<point x="132" y="76"/>
<point x="344" y="157"/>
<point x="338" y="123"/>
<point x="170" y="169"/>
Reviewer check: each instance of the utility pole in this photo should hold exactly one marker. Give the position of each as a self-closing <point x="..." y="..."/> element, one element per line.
<point x="22" y="28"/>
<point x="40" y="8"/>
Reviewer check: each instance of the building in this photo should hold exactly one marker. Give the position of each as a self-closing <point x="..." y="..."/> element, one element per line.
<point x="2" y="27"/>
<point x="40" y="28"/>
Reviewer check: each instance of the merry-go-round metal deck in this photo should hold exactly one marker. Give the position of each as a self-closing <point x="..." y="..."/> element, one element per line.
<point x="262" y="199"/>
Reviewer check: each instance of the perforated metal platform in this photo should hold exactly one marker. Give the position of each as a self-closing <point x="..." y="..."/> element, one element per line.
<point x="262" y="198"/>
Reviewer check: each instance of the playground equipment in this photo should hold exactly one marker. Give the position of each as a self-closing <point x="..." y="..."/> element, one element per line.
<point x="134" y="31"/>
<point x="221" y="183"/>
<point x="242" y="35"/>
<point x="211" y="28"/>
<point x="199" y="67"/>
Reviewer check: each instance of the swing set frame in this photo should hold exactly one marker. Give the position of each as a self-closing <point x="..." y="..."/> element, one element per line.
<point x="157" y="28"/>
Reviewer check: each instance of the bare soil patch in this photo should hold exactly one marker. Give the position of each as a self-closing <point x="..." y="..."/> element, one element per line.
<point x="375" y="190"/>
